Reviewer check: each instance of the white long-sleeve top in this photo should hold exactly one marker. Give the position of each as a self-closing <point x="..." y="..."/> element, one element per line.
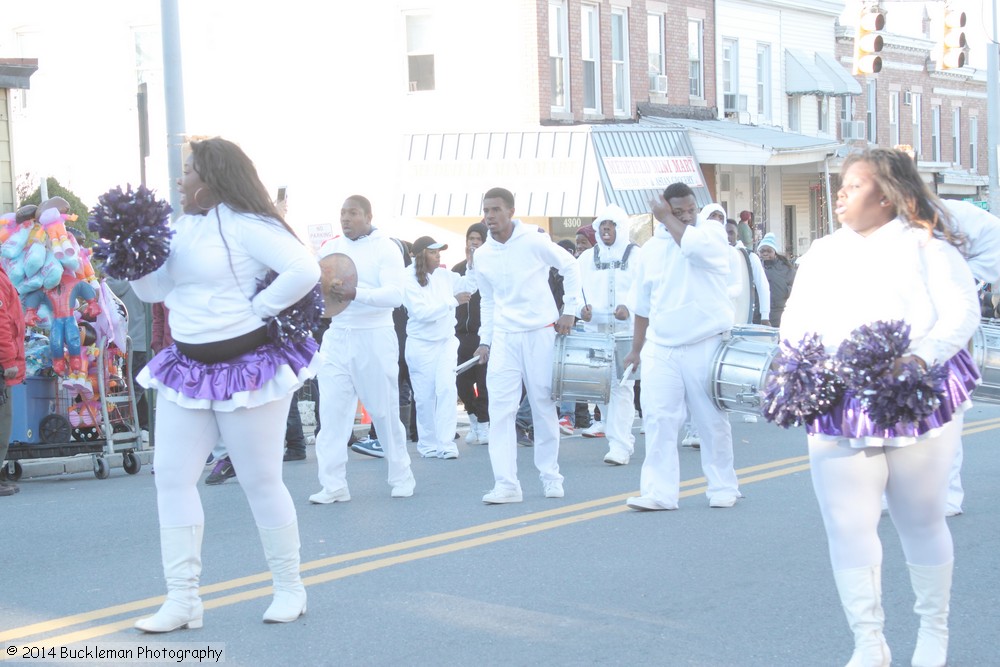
<point x="683" y="288"/>
<point x="209" y="280"/>
<point x="982" y="231"/>
<point x="430" y="308"/>
<point x="513" y="280"/>
<point x="759" y="282"/>
<point x="606" y="289"/>
<point x="379" y="263"/>
<point x="896" y="273"/>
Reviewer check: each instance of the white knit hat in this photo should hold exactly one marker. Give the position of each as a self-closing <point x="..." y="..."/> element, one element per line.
<point x="769" y="240"/>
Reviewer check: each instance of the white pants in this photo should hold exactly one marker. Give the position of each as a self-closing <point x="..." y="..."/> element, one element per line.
<point x="849" y="484"/>
<point x="434" y="392"/>
<point x="672" y="376"/>
<point x="515" y="358"/>
<point x="956" y="494"/>
<point x="361" y="363"/>
<point x="255" y="439"/>
<point x="618" y="416"/>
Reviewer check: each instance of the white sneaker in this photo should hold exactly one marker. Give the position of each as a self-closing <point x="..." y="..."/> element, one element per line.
<point x="404" y="490"/>
<point x="616" y="459"/>
<point x="596" y="430"/>
<point x="553" y="489"/>
<point x="691" y="439"/>
<point x="500" y="495"/>
<point x="722" y="501"/>
<point x="645" y="504"/>
<point x="448" y="454"/>
<point x="324" y="497"/>
<point x="472" y="437"/>
<point x="565" y="427"/>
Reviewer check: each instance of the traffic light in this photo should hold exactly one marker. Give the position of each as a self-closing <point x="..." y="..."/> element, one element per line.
<point x="868" y="43"/>
<point x="951" y="52"/>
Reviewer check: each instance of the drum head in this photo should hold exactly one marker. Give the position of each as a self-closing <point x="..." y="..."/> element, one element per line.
<point x="336" y="269"/>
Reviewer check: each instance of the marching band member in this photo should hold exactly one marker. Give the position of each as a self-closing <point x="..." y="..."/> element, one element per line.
<point x="518" y="340"/>
<point x="681" y="305"/>
<point x="606" y="273"/>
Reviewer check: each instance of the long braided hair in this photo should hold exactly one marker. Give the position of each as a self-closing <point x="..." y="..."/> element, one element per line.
<point x="896" y="174"/>
<point x="420" y="267"/>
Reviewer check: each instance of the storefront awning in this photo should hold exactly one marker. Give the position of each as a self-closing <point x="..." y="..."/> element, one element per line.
<point x="817" y="74"/>
<point x="730" y="143"/>
<point x="15" y="72"/>
<point x="554" y="172"/>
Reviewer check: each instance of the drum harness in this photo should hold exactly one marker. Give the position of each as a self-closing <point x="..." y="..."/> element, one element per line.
<point x="605" y="266"/>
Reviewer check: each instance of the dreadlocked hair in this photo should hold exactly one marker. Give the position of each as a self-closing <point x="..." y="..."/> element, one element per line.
<point x="420" y="268"/>
<point x="896" y="174"/>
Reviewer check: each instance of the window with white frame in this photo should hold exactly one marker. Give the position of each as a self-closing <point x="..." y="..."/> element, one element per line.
<point x="764" y="81"/>
<point x="419" y="52"/>
<point x="936" y="133"/>
<point x="916" y="109"/>
<point x="730" y="75"/>
<point x="823" y="113"/>
<point x="956" y="135"/>
<point x="656" y="40"/>
<point x="558" y="62"/>
<point x="973" y="141"/>
<point x="794" y="112"/>
<point x="871" y="100"/>
<point x="847" y="118"/>
<point x="590" y="52"/>
<point x="894" y="118"/>
<point x="696" y="72"/>
<point x="619" y="62"/>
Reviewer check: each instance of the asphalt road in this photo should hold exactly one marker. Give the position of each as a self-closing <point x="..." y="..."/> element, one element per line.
<point x="441" y="579"/>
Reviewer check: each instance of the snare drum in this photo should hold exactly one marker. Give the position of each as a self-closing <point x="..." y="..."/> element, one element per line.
<point x="583" y="367"/>
<point x="623" y="345"/>
<point x="739" y="372"/>
<point x="986" y="353"/>
<point x="755" y="332"/>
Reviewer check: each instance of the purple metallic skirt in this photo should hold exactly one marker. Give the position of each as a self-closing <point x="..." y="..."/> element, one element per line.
<point x="849" y="420"/>
<point x="270" y="372"/>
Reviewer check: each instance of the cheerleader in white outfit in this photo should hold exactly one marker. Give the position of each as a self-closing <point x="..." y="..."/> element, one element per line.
<point x="224" y="378"/>
<point x="894" y="259"/>
<point x="431" y="296"/>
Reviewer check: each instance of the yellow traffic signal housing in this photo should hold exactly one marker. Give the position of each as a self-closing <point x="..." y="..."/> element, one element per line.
<point x="951" y="50"/>
<point x="868" y="43"/>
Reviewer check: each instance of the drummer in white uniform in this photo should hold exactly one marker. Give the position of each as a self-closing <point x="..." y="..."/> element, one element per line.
<point x="606" y="273"/>
<point x="680" y="303"/>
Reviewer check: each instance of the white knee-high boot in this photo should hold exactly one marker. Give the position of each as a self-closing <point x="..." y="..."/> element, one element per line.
<point x="860" y="592"/>
<point x="180" y="549"/>
<point x="932" y="586"/>
<point x="281" y="547"/>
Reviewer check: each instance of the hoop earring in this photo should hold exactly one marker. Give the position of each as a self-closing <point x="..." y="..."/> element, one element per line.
<point x="203" y="208"/>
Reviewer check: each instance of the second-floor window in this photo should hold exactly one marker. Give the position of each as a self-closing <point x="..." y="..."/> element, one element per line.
<point x="823" y="113"/>
<point x="656" y="44"/>
<point x="916" y="108"/>
<point x="764" y="81"/>
<point x="419" y="52"/>
<point x="696" y="72"/>
<point x="894" y="118"/>
<point x="619" y="61"/>
<point x="871" y="118"/>
<point x="936" y="133"/>
<point x="956" y="135"/>
<point x="730" y="75"/>
<point x="794" y="113"/>
<point x="590" y="51"/>
<point x="973" y="141"/>
<point x="558" y="63"/>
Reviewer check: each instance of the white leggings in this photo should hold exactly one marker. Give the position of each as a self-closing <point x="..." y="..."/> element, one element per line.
<point x="255" y="440"/>
<point x="849" y="484"/>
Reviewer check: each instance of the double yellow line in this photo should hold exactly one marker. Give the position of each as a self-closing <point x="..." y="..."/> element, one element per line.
<point x="376" y="558"/>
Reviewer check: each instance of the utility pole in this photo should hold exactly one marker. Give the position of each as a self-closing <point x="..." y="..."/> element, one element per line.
<point x="993" y="117"/>
<point x="173" y="89"/>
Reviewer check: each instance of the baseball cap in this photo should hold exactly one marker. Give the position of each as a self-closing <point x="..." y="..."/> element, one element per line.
<point x="425" y="242"/>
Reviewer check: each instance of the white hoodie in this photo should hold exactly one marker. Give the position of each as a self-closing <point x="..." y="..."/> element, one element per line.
<point x="513" y="280"/>
<point x="682" y="288"/>
<point x="604" y="289"/>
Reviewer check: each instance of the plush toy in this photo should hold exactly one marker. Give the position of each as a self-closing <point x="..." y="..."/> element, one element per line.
<point x="64" y="335"/>
<point x="53" y="221"/>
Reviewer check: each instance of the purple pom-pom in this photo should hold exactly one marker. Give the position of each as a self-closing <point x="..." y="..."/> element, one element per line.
<point x="299" y="320"/>
<point x="135" y="232"/>
<point x="870" y="352"/>
<point x="804" y="385"/>
<point x="904" y="397"/>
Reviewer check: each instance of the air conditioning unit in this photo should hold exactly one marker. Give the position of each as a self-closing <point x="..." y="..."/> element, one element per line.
<point x="658" y="84"/>
<point x="852" y="129"/>
<point x="729" y="102"/>
<point x="906" y="98"/>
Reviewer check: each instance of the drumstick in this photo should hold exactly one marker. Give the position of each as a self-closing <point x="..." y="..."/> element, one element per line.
<point x="628" y="371"/>
<point x="466" y="365"/>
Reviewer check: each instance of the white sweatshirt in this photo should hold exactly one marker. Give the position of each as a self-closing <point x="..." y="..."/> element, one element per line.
<point x="683" y="288"/>
<point x="513" y="280"/>
<point x="982" y="232"/>
<point x="896" y="273"/>
<point x="209" y="280"/>
<point x="604" y="289"/>
<point x="430" y="308"/>
<point x="379" y="263"/>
